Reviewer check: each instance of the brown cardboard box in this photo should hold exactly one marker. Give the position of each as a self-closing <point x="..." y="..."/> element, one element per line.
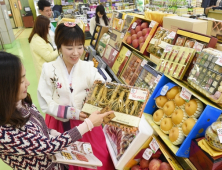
<point x="175" y="22"/>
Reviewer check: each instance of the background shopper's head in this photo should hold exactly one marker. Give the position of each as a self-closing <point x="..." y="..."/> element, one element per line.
<point x="12" y="89"/>
<point x="45" y="8"/>
<point x="70" y="42"/>
<point x="41" y="27"/>
<point x="101" y="13"/>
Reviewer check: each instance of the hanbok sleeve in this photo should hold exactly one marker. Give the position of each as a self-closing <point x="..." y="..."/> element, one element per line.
<point x="48" y="105"/>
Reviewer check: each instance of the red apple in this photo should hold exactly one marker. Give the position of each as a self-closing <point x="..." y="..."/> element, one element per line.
<point x="145" y="37"/>
<point x="129" y="40"/>
<point x="134" y="36"/>
<point x="157" y="154"/>
<point x="139" y="34"/>
<point x="141" y="45"/>
<point x="135" y="167"/>
<point x="145" y="31"/>
<point x="139" y="21"/>
<point x="141" y="40"/>
<point x="149" y="29"/>
<point x="135" y="43"/>
<point x="132" y="32"/>
<point x="138" y="28"/>
<point x="164" y="166"/>
<point x="155" y="164"/>
<point x="144" y="163"/>
<point x="144" y="25"/>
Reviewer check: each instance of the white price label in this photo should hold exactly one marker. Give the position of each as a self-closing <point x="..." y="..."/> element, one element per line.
<point x="87" y="148"/>
<point x="120" y="21"/>
<point x="157" y="79"/>
<point x="171" y="35"/>
<point x="144" y="62"/>
<point x="164" y="90"/>
<point x="219" y="133"/>
<point x="128" y="53"/>
<point x="138" y="95"/>
<point x="152" y="24"/>
<point x="219" y="61"/>
<point x="147" y="154"/>
<point x="134" y="25"/>
<point x="115" y="53"/>
<point x="122" y="35"/>
<point x="168" y="48"/>
<point x="154" y="145"/>
<point x="185" y="94"/>
<point x="198" y="46"/>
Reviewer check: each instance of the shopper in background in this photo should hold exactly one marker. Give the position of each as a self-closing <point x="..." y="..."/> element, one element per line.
<point x="24" y="136"/>
<point x="45" y="9"/>
<point x="57" y="10"/>
<point x="63" y="87"/>
<point x="41" y="49"/>
<point x="100" y="18"/>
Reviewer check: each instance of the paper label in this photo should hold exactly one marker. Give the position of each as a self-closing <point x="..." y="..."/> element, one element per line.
<point x="147" y="154"/>
<point x="171" y="35"/>
<point x="164" y="90"/>
<point x="134" y="25"/>
<point x="219" y="61"/>
<point x="168" y="48"/>
<point x="163" y="44"/>
<point x="128" y="53"/>
<point x="198" y="46"/>
<point x="120" y="21"/>
<point x="153" y="41"/>
<point x="122" y="35"/>
<point x="219" y="133"/>
<point x="144" y="62"/>
<point x="87" y="148"/>
<point x="154" y="145"/>
<point x="115" y="53"/>
<point x="139" y="95"/>
<point x="185" y="94"/>
<point x="152" y="24"/>
<point x="157" y="79"/>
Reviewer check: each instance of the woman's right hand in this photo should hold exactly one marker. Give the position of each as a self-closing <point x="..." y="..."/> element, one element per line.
<point x="96" y="118"/>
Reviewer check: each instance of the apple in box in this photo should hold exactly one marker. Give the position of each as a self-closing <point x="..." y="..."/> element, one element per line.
<point x="138" y="29"/>
<point x="139" y="34"/>
<point x="134" y="36"/>
<point x="129" y="40"/>
<point x="135" y="43"/>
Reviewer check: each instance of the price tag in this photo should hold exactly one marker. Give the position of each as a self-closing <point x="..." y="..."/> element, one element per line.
<point x="115" y="53"/>
<point x="134" y="25"/>
<point x="185" y="94"/>
<point x="128" y="53"/>
<point x="198" y="46"/>
<point x="87" y="148"/>
<point x="164" y="90"/>
<point x="120" y="21"/>
<point x="219" y="133"/>
<point x="147" y="154"/>
<point x="219" y="61"/>
<point x="152" y="24"/>
<point x="138" y="95"/>
<point x="122" y="35"/>
<point x="171" y="35"/>
<point x="157" y="79"/>
<point x="144" y="62"/>
<point x="168" y="48"/>
<point x="154" y="145"/>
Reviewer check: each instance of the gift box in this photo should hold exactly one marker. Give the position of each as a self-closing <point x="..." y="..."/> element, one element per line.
<point x="202" y="159"/>
<point x="110" y="55"/>
<point x="116" y="39"/>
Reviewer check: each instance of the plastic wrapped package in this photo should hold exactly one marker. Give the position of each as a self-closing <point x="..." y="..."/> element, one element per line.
<point x="180" y="41"/>
<point x="102" y="43"/>
<point x="206" y="75"/>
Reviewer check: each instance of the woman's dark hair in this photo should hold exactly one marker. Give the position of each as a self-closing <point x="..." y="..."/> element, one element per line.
<point x="42" y="4"/>
<point x="10" y="80"/>
<point x="102" y="11"/>
<point x="68" y="35"/>
<point x="41" y="27"/>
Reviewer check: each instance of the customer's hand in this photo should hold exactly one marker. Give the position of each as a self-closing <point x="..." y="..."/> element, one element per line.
<point x="82" y="116"/>
<point x="97" y="118"/>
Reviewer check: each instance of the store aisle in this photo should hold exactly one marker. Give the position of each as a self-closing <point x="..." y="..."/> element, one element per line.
<point x="22" y="50"/>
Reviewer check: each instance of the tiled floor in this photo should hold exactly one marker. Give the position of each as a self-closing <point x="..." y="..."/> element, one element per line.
<point x="22" y="50"/>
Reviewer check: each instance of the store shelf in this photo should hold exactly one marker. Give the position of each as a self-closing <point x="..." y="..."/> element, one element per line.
<point x="113" y="75"/>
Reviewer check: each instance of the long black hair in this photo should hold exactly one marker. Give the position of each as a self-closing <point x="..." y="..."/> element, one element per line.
<point x="10" y="80"/>
<point x="102" y="11"/>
